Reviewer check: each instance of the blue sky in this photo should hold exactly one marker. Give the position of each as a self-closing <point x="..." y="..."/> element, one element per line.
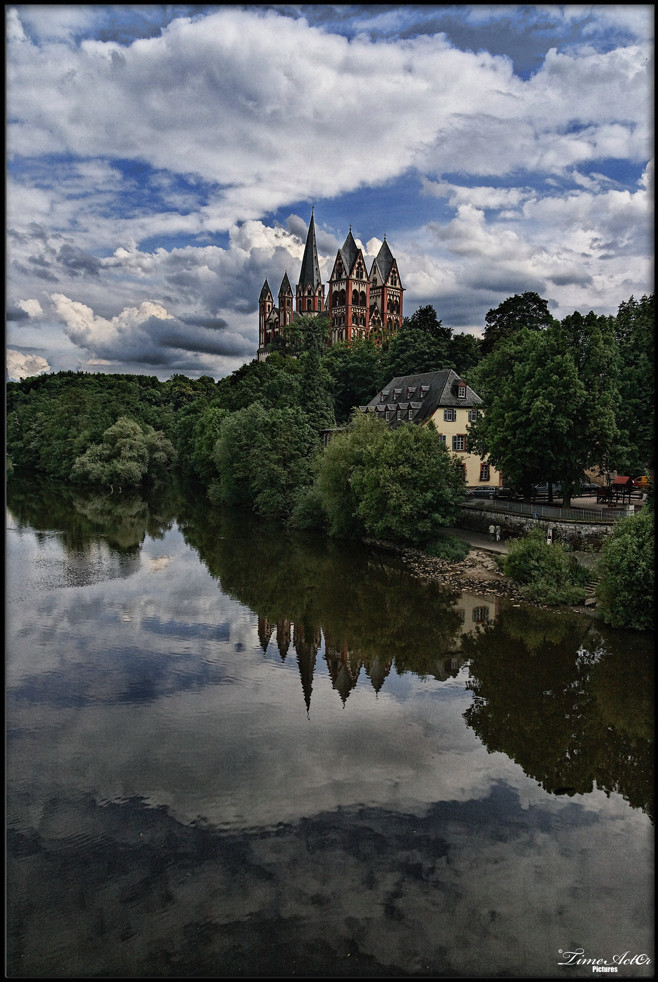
<point x="163" y="160"/>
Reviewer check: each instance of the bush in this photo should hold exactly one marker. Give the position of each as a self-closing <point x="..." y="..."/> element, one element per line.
<point x="401" y="485"/>
<point x="546" y="573"/>
<point x="624" y="590"/>
<point x="448" y="547"/>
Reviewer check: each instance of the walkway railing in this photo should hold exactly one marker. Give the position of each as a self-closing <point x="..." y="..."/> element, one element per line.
<point x="603" y="516"/>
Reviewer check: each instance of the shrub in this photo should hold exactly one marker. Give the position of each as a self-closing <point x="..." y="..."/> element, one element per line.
<point x="546" y="573"/>
<point x="624" y="590"/>
<point x="448" y="547"/>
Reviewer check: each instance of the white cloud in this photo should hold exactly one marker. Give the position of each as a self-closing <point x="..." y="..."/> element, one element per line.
<point x="20" y="365"/>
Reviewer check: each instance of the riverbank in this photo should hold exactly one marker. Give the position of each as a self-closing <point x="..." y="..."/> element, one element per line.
<point x="479" y="572"/>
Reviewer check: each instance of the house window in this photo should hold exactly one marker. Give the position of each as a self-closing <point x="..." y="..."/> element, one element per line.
<point x="472" y="415"/>
<point x="461" y="391"/>
<point x="459" y="441"/>
<point x="480" y="614"/>
<point x="484" y="472"/>
<point x="442" y="436"/>
<point x="449" y="415"/>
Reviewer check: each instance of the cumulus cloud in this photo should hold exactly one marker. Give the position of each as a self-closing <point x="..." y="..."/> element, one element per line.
<point x="20" y="365"/>
<point x="158" y="163"/>
<point x="147" y="334"/>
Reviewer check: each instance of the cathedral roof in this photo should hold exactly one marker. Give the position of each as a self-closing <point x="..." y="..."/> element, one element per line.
<point x="310" y="274"/>
<point x="265" y="291"/>
<point x="285" y="285"/>
<point x="349" y="252"/>
<point x="384" y="260"/>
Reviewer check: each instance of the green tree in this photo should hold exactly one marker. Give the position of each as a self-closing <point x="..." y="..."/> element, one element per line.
<point x="527" y="310"/>
<point x="128" y="454"/>
<point x="634" y="328"/>
<point x="353" y="371"/>
<point x="397" y="484"/>
<point x="264" y="460"/>
<point x="464" y="351"/>
<point x="626" y="572"/>
<point x="549" y="403"/>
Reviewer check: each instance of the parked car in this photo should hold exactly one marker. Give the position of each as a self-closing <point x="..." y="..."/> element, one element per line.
<point x="484" y="492"/>
<point x="541" y="490"/>
<point x="641" y="483"/>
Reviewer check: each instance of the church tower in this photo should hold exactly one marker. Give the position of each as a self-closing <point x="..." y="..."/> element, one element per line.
<point x="385" y="293"/>
<point x="265" y="307"/>
<point x="348" y="302"/>
<point x="310" y="291"/>
<point x="285" y="302"/>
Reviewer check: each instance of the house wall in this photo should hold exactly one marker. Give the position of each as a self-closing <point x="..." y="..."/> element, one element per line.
<point x="459" y="428"/>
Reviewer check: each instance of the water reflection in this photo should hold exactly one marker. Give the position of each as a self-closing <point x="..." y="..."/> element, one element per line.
<point x="257" y="755"/>
<point x="570" y="702"/>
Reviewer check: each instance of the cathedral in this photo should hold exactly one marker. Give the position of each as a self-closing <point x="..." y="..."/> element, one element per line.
<point x="358" y="304"/>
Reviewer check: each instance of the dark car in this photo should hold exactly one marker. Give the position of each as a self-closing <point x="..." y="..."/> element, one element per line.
<point x="541" y="490"/>
<point x="483" y="492"/>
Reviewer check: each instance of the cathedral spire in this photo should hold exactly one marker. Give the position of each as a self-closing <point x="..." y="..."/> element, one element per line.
<point x="310" y="274"/>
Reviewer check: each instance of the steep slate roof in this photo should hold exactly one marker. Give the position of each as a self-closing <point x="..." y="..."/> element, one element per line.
<point x="384" y="260"/>
<point x="264" y="292"/>
<point x="310" y="274"/>
<point x="349" y="252"/>
<point x="423" y="395"/>
<point x="285" y="286"/>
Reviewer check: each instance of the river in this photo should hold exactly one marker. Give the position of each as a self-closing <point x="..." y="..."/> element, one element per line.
<point x="236" y="751"/>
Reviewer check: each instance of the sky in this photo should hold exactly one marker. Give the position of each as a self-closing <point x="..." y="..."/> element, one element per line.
<point x="164" y="160"/>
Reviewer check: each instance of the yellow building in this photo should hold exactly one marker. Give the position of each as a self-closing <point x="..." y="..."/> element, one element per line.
<point x="445" y="399"/>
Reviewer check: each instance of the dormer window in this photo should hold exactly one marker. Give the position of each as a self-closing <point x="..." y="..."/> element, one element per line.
<point x="396" y="393"/>
<point x="424" y="389"/>
<point x="461" y="390"/>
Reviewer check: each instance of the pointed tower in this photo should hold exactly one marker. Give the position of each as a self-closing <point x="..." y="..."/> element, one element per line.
<point x="285" y="302"/>
<point x="310" y="291"/>
<point x="265" y="306"/>
<point x="348" y="302"/>
<point x="385" y="291"/>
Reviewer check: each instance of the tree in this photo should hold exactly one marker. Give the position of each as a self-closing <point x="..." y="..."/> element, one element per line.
<point x="464" y="352"/>
<point x="354" y="370"/>
<point x="527" y="310"/>
<point x="634" y="328"/>
<point x="128" y="454"/>
<point x="264" y="460"/>
<point x="626" y="573"/>
<point x="397" y="484"/>
<point x="539" y="422"/>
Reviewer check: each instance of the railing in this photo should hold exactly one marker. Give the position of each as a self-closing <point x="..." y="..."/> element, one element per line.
<point x="537" y="510"/>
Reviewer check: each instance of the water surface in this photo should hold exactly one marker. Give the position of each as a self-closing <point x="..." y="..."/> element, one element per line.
<point x="234" y="751"/>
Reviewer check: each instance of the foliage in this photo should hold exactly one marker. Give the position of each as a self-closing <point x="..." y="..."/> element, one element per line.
<point x="634" y="328"/>
<point x="396" y="484"/>
<point x="626" y="571"/>
<point x="548" y="573"/>
<point x="263" y="460"/>
<point x="549" y="403"/>
<point x="127" y="455"/>
<point x="449" y="547"/>
<point x="523" y="310"/>
<point x="352" y="370"/>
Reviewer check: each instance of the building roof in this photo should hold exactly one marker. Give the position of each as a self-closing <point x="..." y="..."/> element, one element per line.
<point x="310" y="274"/>
<point x="265" y="291"/>
<point x="384" y="260"/>
<point x="349" y="252"/>
<point x="285" y="286"/>
<point x="419" y="396"/>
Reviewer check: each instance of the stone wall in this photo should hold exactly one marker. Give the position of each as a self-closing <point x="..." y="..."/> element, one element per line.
<point x="578" y="535"/>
